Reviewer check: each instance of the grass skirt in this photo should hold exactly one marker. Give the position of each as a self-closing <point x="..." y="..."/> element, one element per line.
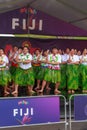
<point x="5" y="77"/>
<point x="13" y="72"/>
<point x="80" y="75"/>
<point x="52" y="76"/>
<point x="37" y="69"/>
<point x="84" y="76"/>
<point x="24" y="77"/>
<point x="72" y="77"/>
<point x="42" y="73"/>
<point x="63" y="76"/>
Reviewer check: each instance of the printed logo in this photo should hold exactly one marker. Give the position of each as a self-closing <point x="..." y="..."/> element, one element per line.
<point x="22" y="102"/>
<point x="23" y="113"/>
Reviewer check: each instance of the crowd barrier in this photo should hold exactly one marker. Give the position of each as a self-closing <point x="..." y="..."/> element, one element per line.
<point x="78" y="112"/>
<point x="43" y="112"/>
<point x="21" y="112"/>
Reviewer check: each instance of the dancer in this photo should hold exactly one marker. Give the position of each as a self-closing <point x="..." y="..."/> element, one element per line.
<point x="53" y="74"/>
<point x="63" y="71"/>
<point x="83" y="62"/>
<point x="5" y="77"/>
<point x="24" y="73"/>
<point x="36" y="66"/>
<point x="72" y="72"/>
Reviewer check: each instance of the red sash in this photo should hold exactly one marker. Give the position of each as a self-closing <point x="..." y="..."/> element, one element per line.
<point x="14" y="64"/>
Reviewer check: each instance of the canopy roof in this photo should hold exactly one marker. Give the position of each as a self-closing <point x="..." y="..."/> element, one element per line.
<point x="71" y="11"/>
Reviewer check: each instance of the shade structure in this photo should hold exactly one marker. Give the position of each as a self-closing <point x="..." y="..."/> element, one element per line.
<point x="70" y="11"/>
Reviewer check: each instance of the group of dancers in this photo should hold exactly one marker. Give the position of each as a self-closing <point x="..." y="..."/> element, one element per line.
<point x="38" y="70"/>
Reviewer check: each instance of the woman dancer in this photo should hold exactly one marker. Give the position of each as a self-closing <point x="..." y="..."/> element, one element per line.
<point x="53" y="74"/>
<point x="72" y="72"/>
<point x="5" y="77"/>
<point x="24" y="73"/>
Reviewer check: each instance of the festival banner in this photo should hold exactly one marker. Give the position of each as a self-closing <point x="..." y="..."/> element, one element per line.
<point x="28" y="111"/>
<point x="31" y="21"/>
<point x="80" y="107"/>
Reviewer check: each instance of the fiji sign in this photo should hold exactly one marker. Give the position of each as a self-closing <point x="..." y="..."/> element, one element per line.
<point x="33" y="25"/>
<point x="27" y="111"/>
<point x="31" y="22"/>
<point x="20" y="21"/>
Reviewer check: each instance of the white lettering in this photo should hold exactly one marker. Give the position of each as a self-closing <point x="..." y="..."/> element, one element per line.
<point x="15" y="22"/>
<point x="22" y="112"/>
<point x="33" y="25"/>
<point x="27" y="112"/>
<point x="15" y="112"/>
<point x="24" y="24"/>
<point x="40" y="24"/>
<point x="32" y="112"/>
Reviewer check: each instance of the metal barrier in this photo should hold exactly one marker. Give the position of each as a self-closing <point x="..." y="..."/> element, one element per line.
<point x="63" y="116"/>
<point x="75" y="118"/>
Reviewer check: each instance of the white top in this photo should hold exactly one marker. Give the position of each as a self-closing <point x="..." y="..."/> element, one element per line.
<point x="73" y="58"/>
<point x="4" y="58"/>
<point x="36" y="58"/>
<point x="43" y="58"/>
<point x="54" y="58"/>
<point x="80" y="57"/>
<point x="64" y="58"/>
<point x="84" y="59"/>
<point x="13" y="54"/>
<point x="67" y="56"/>
<point x="24" y="57"/>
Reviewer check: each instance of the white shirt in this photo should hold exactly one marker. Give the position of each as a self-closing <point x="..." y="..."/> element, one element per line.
<point x="67" y="56"/>
<point x="73" y="58"/>
<point x="64" y="58"/>
<point x="43" y="58"/>
<point x="4" y="58"/>
<point x="84" y="59"/>
<point x="24" y="57"/>
<point x="80" y="57"/>
<point x="36" y="58"/>
<point x="54" y="58"/>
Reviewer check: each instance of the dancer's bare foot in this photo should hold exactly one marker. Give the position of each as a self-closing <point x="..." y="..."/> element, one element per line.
<point x="84" y="91"/>
<point x="69" y="91"/>
<point x="37" y="88"/>
<point x="40" y="91"/>
<point x="73" y="91"/>
<point x="6" y="93"/>
<point x="31" y="93"/>
<point x="14" y="92"/>
<point x="57" y="92"/>
<point x="39" y="94"/>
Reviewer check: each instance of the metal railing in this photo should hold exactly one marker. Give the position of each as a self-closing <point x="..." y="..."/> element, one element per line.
<point x="63" y="116"/>
<point x="72" y="110"/>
